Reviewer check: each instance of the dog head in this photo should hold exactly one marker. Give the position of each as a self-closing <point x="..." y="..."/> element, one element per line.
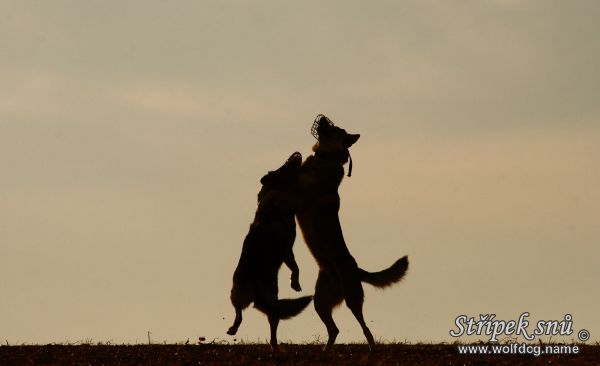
<point x="286" y="175"/>
<point x="330" y="137"/>
<point x="332" y="141"/>
<point x="283" y="179"/>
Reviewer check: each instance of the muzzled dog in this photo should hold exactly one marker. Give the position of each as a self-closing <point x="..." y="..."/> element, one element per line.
<point x="339" y="278"/>
<point x="266" y="247"/>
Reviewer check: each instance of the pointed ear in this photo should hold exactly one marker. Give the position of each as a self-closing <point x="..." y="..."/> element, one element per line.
<point x="350" y="139"/>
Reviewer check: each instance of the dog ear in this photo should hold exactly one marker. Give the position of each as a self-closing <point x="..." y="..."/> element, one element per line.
<point x="350" y="139"/>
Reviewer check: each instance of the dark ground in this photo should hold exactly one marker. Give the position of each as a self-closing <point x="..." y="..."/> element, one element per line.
<point x="217" y="354"/>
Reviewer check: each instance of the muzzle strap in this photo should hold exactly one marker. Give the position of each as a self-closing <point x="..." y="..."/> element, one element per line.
<point x="349" y="165"/>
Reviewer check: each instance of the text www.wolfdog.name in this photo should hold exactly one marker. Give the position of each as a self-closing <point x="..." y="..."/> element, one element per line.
<point x="519" y="349"/>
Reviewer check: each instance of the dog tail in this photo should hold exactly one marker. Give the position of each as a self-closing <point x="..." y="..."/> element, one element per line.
<point x="287" y="308"/>
<point x="284" y="308"/>
<point x="388" y="276"/>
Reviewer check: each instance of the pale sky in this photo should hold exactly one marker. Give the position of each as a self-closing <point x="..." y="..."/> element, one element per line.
<point x="133" y="135"/>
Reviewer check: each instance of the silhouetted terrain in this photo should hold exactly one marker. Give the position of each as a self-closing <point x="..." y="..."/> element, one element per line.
<point x="210" y="354"/>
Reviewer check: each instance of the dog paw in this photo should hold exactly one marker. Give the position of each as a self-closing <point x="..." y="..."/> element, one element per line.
<point x="296" y="286"/>
<point x="232" y="331"/>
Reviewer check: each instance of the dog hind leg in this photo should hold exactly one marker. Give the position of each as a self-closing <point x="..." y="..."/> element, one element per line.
<point x="327" y="295"/>
<point x="273" y="323"/>
<point x="354" y="296"/>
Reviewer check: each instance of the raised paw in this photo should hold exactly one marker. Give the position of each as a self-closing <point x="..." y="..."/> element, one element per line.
<point x="295" y="284"/>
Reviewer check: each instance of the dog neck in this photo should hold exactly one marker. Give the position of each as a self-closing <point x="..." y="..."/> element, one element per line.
<point x="337" y="156"/>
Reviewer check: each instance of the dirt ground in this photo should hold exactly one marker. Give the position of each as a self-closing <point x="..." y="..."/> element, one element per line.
<point x="219" y="354"/>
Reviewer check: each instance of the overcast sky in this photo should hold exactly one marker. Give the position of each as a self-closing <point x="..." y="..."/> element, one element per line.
<point x="133" y="135"/>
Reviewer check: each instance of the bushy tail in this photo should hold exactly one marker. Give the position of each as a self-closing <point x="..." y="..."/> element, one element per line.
<point x="388" y="276"/>
<point x="287" y="308"/>
<point x="284" y="308"/>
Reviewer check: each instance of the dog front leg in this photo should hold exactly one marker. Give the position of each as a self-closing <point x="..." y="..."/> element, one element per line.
<point x="290" y="262"/>
<point x="236" y="323"/>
